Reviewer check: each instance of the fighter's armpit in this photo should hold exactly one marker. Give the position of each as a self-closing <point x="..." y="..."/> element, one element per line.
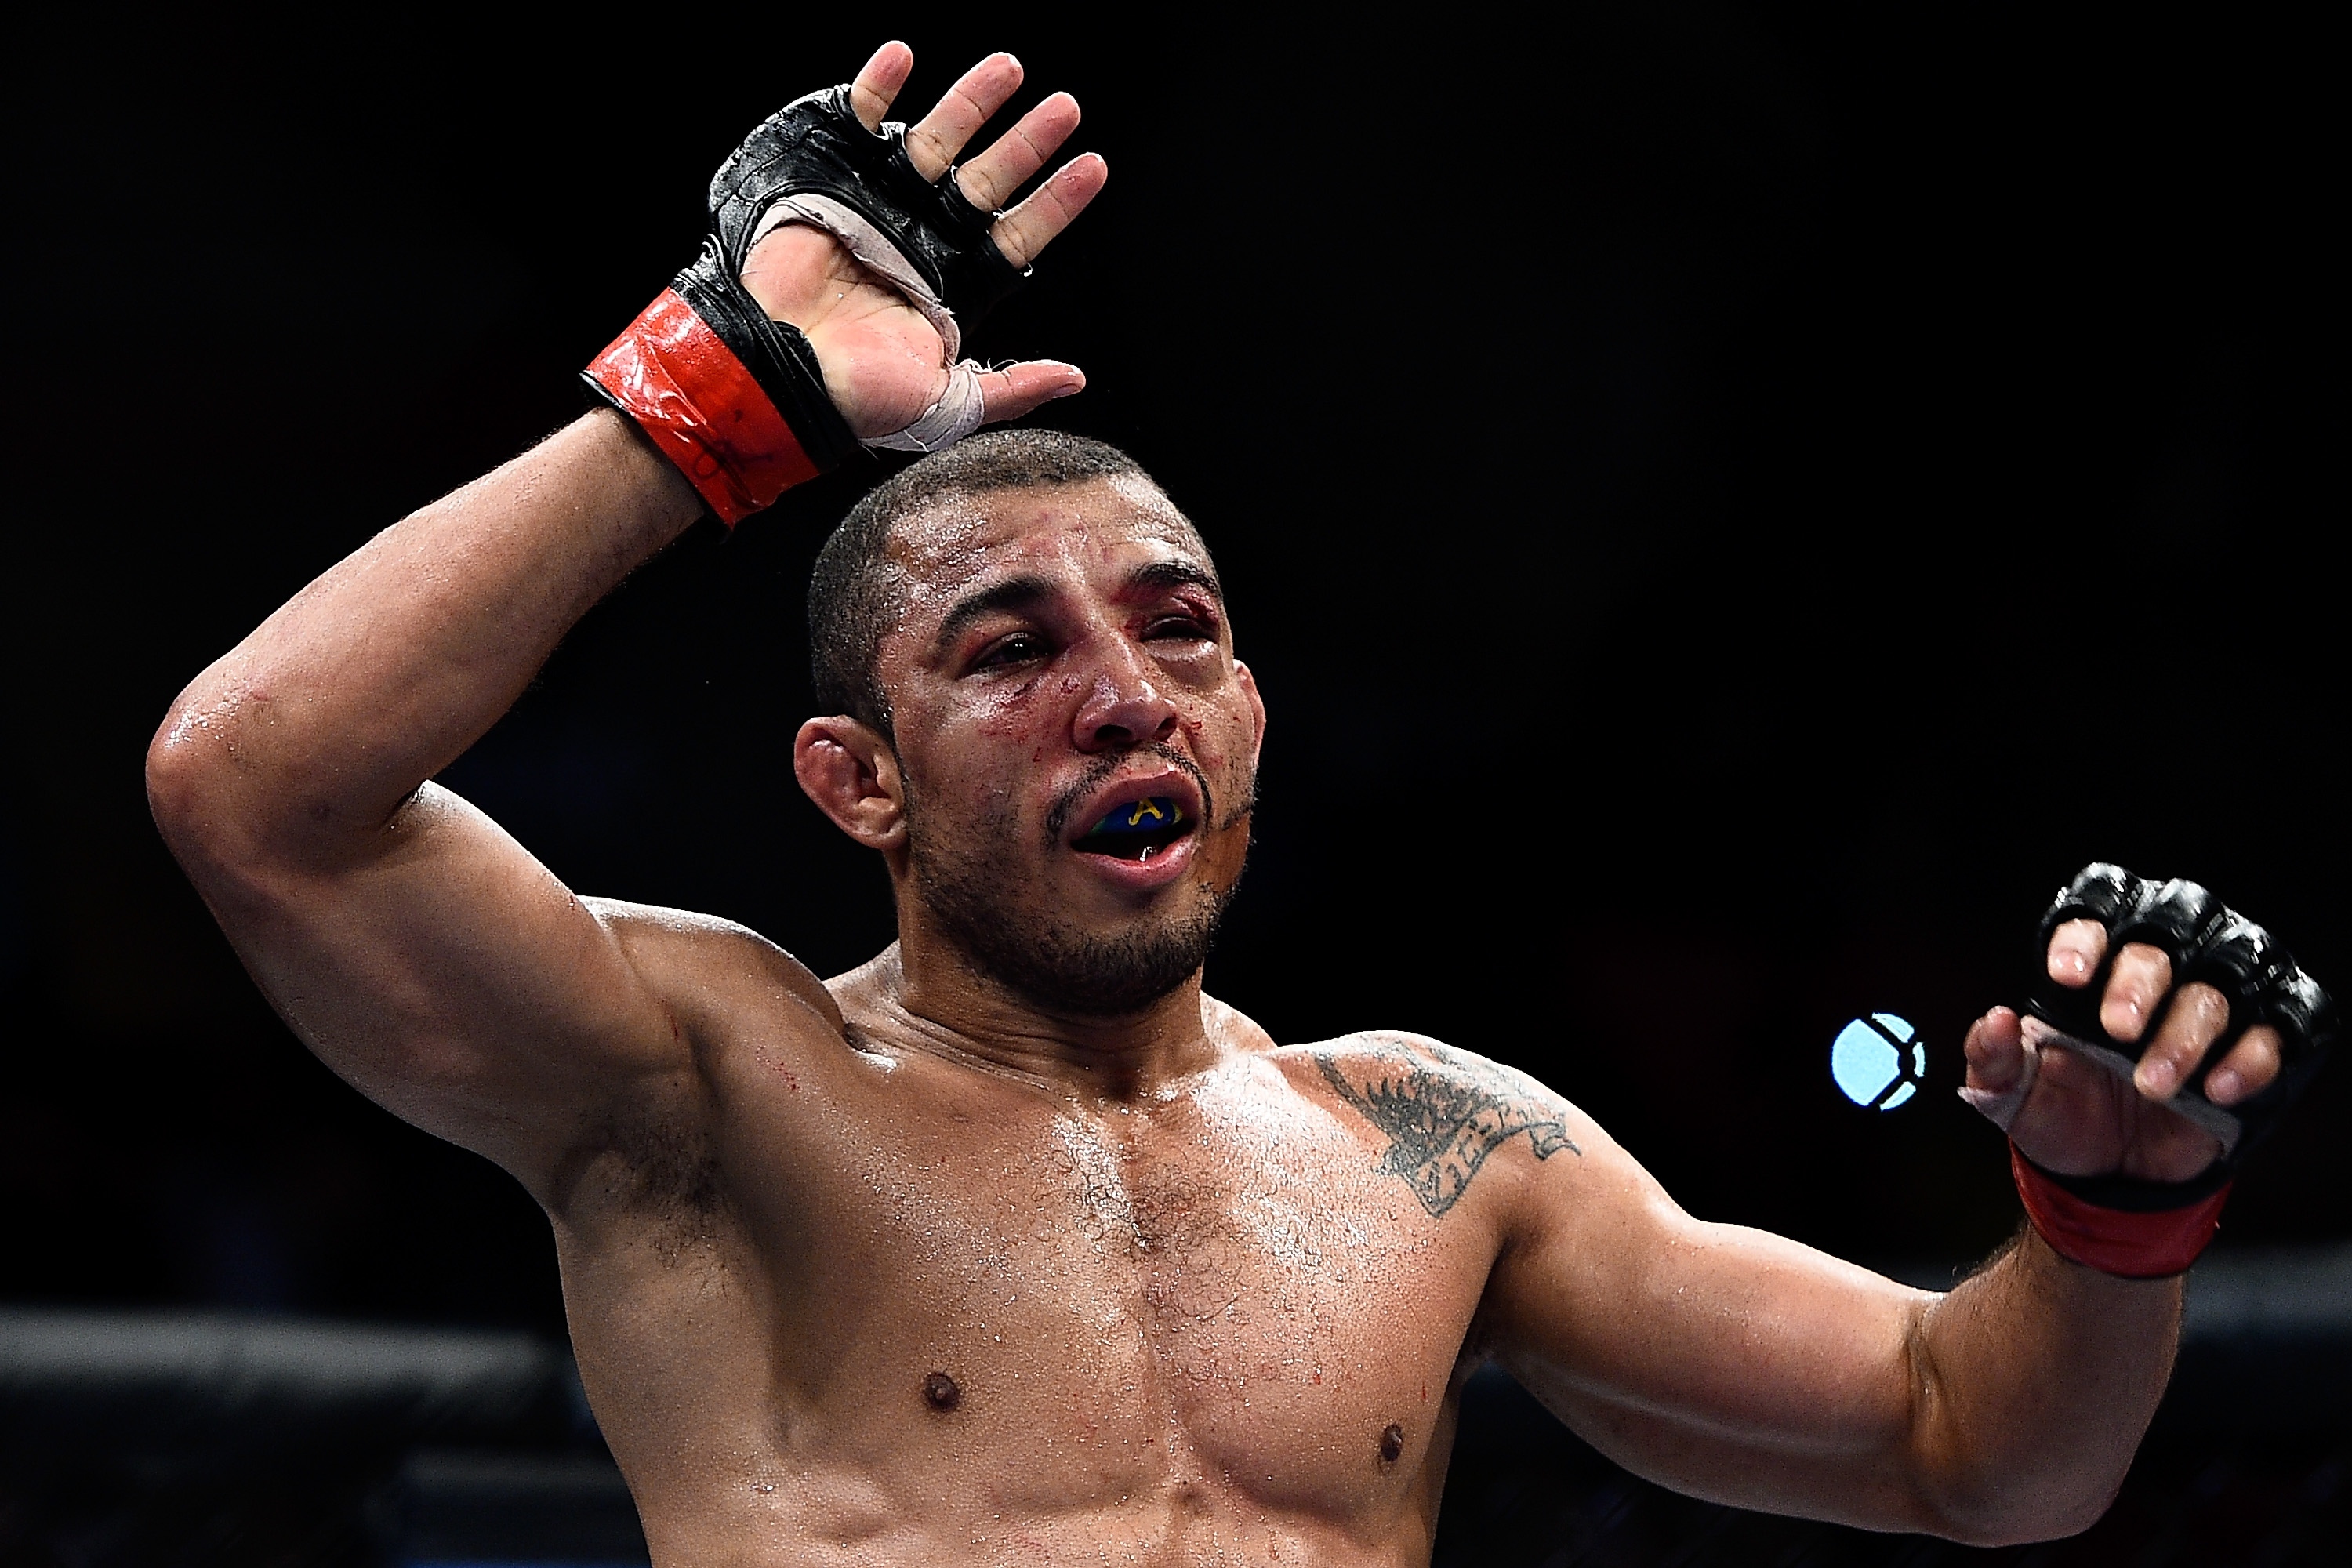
<point x="1443" y="1111"/>
<point x="645" y="1151"/>
<point x="691" y="961"/>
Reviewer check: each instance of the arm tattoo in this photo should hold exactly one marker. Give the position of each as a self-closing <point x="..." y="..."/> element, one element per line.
<point x="1443" y="1114"/>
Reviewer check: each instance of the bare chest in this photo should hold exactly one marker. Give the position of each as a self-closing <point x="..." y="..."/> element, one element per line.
<point x="1227" y="1288"/>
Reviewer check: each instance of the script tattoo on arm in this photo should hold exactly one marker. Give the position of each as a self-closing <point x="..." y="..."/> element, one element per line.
<point x="1444" y="1112"/>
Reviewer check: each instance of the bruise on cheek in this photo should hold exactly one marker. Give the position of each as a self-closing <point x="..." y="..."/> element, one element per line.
<point x="1011" y="714"/>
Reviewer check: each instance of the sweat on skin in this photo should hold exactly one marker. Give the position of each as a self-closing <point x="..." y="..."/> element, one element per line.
<point x="1012" y="1243"/>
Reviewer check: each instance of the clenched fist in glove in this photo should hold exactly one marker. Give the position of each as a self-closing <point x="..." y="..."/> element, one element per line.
<point x="2165" y="1037"/>
<point x="846" y="257"/>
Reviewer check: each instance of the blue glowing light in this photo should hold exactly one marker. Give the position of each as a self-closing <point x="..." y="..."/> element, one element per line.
<point x="1866" y="1060"/>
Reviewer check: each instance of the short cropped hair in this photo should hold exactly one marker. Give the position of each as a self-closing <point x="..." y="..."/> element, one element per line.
<point x="852" y="600"/>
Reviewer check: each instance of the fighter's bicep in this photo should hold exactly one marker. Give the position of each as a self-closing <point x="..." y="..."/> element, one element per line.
<point x="451" y="977"/>
<point x="1721" y="1339"/>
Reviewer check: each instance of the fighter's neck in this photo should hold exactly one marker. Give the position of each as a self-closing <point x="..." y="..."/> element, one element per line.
<point x="947" y="1009"/>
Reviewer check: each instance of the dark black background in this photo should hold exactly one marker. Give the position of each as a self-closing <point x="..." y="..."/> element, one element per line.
<point x="1728" y="507"/>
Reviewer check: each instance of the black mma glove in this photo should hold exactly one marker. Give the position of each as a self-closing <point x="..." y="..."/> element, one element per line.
<point x="2124" y="1225"/>
<point x="2206" y="942"/>
<point x="737" y="401"/>
<point x="817" y="146"/>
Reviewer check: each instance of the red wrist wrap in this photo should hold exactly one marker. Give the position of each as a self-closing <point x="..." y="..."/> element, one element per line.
<point x="2116" y="1241"/>
<point x="701" y="407"/>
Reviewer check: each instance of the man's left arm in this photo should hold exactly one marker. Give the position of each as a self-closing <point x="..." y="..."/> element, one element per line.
<point x="1747" y="1368"/>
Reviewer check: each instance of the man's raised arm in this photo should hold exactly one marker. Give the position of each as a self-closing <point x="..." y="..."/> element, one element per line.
<point x="420" y="950"/>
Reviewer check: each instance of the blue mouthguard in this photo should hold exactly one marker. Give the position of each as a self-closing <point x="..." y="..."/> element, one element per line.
<point x="1151" y="815"/>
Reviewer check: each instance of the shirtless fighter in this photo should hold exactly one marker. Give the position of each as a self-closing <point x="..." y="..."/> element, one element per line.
<point x="1012" y="1245"/>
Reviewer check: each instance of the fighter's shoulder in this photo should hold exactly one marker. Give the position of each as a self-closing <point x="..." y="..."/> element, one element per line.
<point x="696" y="962"/>
<point x="1370" y="1055"/>
<point x="1439" y="1115"/>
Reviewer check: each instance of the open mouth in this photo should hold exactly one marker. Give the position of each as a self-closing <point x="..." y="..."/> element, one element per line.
<point x="1137" y="829"/>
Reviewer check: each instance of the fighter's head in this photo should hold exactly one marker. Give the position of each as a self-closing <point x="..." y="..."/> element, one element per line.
<point x="1041" y="723"/>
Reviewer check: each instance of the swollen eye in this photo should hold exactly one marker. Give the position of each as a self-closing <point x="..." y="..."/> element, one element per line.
<point x="1154" y="814"/>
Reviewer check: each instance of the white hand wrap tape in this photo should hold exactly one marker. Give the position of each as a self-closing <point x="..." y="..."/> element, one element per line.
<point x="961" y="407"/>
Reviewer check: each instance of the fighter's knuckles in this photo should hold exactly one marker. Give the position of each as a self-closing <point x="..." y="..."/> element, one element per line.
<point x="2251" y="1066"/>
<point x="2148" y="1099"/>
<point x="2193" y="1021"/>
<point x="2141" y="976"/>
<point x="2076" y="950"/>
<point x="2198" y="1014"/>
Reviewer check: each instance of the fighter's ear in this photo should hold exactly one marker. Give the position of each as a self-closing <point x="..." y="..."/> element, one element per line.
<point x="1257" y="708"/>
<point x="852" y="774"/>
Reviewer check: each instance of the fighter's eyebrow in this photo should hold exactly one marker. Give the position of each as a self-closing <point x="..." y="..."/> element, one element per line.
<point x="1023" y="592"/>
<point x="1013" y="593"/>
<point x="1165" y="574"/>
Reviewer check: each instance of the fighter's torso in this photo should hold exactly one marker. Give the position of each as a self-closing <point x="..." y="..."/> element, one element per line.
<point x="882" y="1305"/>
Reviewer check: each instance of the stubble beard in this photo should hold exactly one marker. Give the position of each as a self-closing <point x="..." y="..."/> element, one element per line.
<point x="1024" y="945"/>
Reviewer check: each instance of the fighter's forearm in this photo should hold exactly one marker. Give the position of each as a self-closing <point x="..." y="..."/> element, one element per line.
<point x="379" y="674"/>
<point x="2036" y="1379"/>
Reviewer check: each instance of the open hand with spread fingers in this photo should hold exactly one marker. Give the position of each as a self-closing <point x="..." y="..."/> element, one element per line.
<point x="847" y="256"/>
<point x="2165" y="1036"/>
<point x="889" y="354"/>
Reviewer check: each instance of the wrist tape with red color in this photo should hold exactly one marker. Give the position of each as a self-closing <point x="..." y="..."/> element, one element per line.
<point x="735" y="400"/>
<point x="2129" y="1243"/>
<point x="702" y="409"/>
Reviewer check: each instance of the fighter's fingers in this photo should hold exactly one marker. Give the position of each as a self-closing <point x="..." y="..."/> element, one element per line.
<point x="1028" y="229"/>
<point x="1995" y="1051"/>
<point x="2252" y="1066"/>
<point x="2141" y="976"/>
<point x="1010" y="393"/>
<point x="933" y="141"/>
<point x="2195" y="1020"/>
<point x="2076" y="950"/>
<point x="870" y="95"/>
<point x="989" y="180"/>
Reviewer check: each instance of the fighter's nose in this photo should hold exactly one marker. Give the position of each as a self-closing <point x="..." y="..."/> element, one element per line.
<point x="1122" y="713"/>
